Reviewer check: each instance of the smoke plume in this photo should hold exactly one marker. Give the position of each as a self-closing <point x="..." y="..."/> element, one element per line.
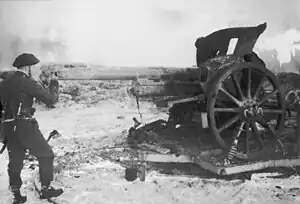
<point x="27" y="26"/>
<point x="140" y="32"/>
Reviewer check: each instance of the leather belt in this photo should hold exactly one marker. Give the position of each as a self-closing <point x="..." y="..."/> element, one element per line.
<point x="13" y="119"/>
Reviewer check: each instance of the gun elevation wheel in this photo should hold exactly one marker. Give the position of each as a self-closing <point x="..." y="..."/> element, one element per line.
<point x="244" y="104"/>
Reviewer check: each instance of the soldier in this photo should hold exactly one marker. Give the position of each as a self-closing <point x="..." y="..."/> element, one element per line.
<point x="217" y="43"/>
<point x="21" y="130"/>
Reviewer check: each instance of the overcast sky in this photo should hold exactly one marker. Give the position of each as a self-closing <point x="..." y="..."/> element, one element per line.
<point x="135" y="32"/>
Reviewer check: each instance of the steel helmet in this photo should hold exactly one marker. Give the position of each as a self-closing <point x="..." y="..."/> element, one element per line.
<point x="25" y="59"/>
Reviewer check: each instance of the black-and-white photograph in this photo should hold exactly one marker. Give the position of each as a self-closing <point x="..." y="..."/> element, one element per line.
<point x="150" y="101"/>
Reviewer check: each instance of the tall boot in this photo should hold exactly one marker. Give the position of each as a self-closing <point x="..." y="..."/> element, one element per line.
<point x="50" y="192"/>
<point x="18" y="198"/>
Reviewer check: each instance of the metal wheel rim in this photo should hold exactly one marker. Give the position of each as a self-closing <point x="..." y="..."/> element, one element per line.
<point x="212" y="99"/>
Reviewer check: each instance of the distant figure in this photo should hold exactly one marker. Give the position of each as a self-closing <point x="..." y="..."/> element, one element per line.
<point x="217" y="43"/>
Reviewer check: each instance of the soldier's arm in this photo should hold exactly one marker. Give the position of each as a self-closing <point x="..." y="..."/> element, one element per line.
<point x="49" y="97"/>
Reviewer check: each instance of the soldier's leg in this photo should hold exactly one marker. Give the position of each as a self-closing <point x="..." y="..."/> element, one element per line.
<point x="35" y="142"/>
<point x="16" y="154"/>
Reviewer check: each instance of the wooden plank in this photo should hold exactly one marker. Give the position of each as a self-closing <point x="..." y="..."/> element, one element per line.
<point x="160" y="158"/>
<point x="260" y="165"/>
<point x="207" y="165"/>
<point x="173" y="158"/>
<point x="168" y="158"/>
<point x="223" y="170"/>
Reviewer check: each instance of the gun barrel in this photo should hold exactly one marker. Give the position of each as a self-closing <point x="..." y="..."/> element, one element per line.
<point x="149" y="88"/>
<point x="116" y="73"/>
<point x="148" y="82"/>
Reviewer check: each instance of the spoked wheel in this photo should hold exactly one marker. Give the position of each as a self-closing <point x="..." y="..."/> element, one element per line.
<point x="244" y="104"/>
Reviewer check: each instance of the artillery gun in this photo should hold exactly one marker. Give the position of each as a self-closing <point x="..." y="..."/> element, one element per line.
<point x="235" y="97"/>
<point x="240" y="101"/>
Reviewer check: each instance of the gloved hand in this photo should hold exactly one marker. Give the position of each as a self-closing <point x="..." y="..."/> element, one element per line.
<point x="53" y="83"/>
<point x="54" y="86"/>
<point x="53" y="80"/>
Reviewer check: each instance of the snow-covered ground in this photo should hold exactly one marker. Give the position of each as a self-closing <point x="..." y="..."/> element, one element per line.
<point x="89" y="179"/>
